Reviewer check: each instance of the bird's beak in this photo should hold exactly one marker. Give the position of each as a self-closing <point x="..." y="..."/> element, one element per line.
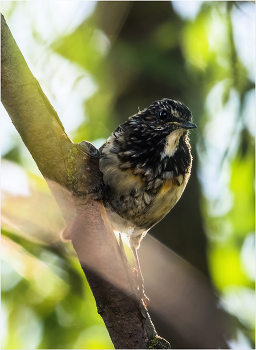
<point x="186" y="125"/>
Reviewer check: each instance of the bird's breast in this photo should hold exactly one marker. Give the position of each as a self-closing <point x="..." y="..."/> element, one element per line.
<point x="170" y="183"/>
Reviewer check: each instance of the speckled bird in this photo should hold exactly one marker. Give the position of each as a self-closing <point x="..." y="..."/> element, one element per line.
<point x="146" y="164"/>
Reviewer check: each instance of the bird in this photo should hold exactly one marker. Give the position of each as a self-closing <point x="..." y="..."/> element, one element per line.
<point x="145" y="165"/>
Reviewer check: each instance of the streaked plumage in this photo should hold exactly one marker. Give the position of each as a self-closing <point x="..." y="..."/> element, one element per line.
<point x="146" y="165"/>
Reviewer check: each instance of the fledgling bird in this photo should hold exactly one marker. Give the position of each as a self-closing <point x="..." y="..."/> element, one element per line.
<point x="146" y="164"/>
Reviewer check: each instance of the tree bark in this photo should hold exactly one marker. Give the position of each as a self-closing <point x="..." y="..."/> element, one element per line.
<point x="72" y="173"/>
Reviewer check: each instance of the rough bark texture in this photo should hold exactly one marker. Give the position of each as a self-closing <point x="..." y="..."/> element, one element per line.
<point x="71" y="171"/>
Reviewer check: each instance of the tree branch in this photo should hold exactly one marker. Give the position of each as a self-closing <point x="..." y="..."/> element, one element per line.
<point x="72" y="173"/>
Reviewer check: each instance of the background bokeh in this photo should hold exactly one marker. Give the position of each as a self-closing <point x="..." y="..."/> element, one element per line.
<point x="98" y="62"/>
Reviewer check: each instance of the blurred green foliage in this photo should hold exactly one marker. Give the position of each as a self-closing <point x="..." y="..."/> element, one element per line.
<point x="46" y="301"/>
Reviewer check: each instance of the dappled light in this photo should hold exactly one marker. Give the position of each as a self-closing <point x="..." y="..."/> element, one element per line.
<point x="99" y="63"/>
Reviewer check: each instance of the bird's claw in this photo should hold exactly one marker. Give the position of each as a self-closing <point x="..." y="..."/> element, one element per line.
<point x="145" y="300"/>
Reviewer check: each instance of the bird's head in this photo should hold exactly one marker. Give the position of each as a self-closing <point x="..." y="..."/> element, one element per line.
<point x="154" y="141"/>
<point x="167" y="115"/>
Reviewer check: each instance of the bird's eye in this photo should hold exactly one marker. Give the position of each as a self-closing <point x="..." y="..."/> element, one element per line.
<point x="163" y="114"/>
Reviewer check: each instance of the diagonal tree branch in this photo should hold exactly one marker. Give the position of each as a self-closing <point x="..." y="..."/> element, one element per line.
<point x="72" y="173"/>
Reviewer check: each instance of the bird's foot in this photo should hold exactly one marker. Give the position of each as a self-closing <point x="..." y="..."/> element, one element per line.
<point x="143" y="296"/>
<point x="145" y="300"/>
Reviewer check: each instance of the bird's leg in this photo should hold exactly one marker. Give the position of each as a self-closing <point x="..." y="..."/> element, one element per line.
<point x="144" y="298"/>
<point x="140" y="282"/>
<point x="125" y="260"/>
